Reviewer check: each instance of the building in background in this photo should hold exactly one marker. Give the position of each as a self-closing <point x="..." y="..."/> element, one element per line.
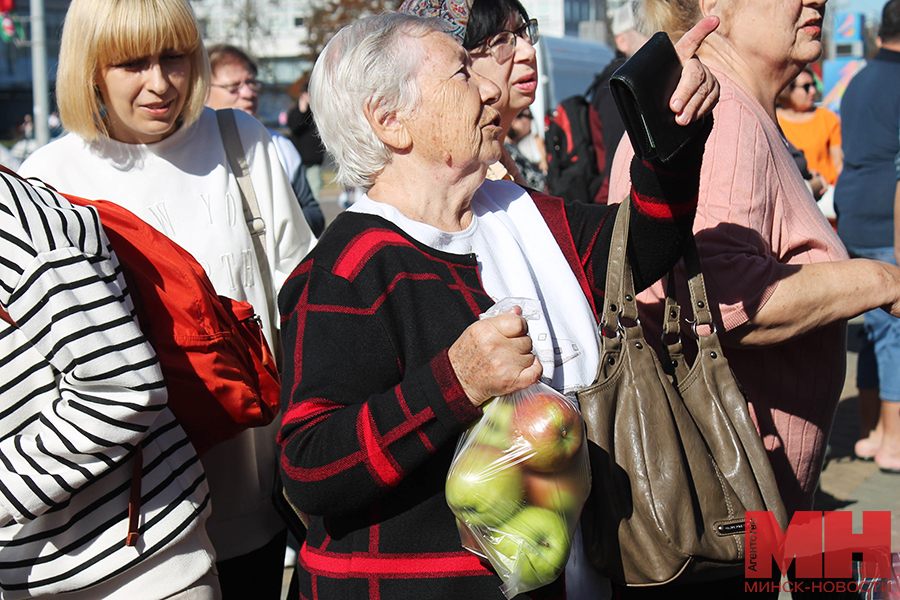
<point x="273" y="31"/>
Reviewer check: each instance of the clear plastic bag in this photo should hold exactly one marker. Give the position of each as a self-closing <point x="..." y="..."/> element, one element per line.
<point x="517" y="484"/>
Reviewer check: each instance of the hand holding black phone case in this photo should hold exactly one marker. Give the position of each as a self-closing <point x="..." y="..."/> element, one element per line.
<point x="642" y="88"/>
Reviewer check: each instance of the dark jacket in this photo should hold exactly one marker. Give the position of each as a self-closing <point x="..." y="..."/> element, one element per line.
<point x="305" y="136"/>
<point x="373" y="409"/>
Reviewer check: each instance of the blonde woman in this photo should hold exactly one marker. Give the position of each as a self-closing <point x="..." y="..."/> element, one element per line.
<point x="132" y="80"/>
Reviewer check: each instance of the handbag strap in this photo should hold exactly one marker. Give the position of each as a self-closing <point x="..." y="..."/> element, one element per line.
<point x="237" y="161"/>
<point x="618" y="298"/>
<point x="676" y="365"/>
<point x="697" y="286"/>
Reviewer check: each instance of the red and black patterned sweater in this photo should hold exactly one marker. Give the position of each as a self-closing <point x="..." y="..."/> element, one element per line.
<point x="373" y="409"/>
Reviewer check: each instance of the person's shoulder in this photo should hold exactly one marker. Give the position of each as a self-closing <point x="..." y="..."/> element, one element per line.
<point x="65" y="148"/>
<point x="248" y="122"/>
<point x="35" y="205"/>
<point x="284" y="145"/>
<point x="249" y="128"/>
<point x="356" y="241"/>
<point x="827" y="115"/>
<point x="740" y="121"/>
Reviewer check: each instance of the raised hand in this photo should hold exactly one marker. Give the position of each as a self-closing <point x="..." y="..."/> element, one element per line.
<point x="698" y="89"/>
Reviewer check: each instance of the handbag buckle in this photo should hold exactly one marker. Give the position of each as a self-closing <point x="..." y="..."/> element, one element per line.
<point x="621" y="327"/>
<point x="712" y="329"/>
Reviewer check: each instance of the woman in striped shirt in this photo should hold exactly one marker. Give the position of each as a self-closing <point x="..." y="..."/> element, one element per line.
<point x="81" y="392"/>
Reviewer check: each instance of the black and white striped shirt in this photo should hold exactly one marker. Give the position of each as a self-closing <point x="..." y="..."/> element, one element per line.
<point x="79" y="389"/>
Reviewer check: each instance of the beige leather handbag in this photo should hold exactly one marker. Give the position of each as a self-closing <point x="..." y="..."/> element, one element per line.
<point x="675" y="457"/>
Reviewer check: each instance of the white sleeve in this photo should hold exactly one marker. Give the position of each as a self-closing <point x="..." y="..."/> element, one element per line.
<point x="66" y="294"/>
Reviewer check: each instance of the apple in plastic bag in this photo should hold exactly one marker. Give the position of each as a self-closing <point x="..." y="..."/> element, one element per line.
<point x="551" y="427"/>
<point x="495" y="428"/>
<point x="483" y="487"/>
<point x="564" y="491"/>
<point x="533" y="544"/>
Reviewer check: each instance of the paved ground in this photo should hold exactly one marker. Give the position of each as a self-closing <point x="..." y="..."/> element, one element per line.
<point x="847" y="484"/>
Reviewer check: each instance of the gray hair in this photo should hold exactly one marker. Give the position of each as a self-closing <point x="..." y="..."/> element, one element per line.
<point x="369" y="62"/>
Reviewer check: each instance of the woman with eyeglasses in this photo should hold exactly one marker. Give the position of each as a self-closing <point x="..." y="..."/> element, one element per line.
<point x="500" y="38"/>
<point x="816" y="131"/>
<point x="132" y="80"/>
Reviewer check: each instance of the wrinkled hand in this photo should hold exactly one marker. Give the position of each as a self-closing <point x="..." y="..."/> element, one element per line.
<point x="698" y="89"/>
<point x="493" y="357"/>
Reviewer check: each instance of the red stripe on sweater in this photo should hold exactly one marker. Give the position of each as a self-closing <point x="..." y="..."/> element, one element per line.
<point x="382" y="466"/>
<point x="446" y="378"/>
<point x="654" y="209"/>
<point x="323" y="472"/>
<point x="392" y="566"/>
<point x="404" y="406"/>
<point x="300" y="314"/>
<point x="370" y="310"/>
<point x="363" y="247"/>
<point x="314" y="407"/>
<point x="370" y="454"/>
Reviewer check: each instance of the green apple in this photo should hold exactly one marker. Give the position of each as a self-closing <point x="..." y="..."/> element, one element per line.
<point x="533" y="545"/>
<point x="495" y="427"/>
<point x="484" y="488"/>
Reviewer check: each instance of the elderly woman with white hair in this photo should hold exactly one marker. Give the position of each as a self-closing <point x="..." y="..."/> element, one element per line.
<point x="386" y="361"/>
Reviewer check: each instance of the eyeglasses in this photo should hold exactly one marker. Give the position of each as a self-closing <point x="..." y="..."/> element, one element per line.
<point x="525" y="115"/>
<point x="806" y="87"/>
<point x="502" y="46"/>
<point x="234" y="88"/>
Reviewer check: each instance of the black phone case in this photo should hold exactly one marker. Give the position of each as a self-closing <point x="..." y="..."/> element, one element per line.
<point x="642" y="88"/>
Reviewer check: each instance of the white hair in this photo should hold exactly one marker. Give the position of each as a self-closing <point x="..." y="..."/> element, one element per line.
<point x="371" y="62"/>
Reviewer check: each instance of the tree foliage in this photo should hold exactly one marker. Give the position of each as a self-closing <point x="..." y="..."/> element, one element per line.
<point x="329" y="16"/>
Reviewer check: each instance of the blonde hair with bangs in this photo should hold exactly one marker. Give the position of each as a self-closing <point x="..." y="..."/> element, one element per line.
<point x="98" y="33"/>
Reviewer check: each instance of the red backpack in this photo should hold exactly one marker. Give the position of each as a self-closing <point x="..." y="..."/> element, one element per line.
<point x="219" y="370"/>
<point x="576" y="154"/>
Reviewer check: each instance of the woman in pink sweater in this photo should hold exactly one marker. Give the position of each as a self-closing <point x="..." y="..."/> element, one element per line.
<point x="779" y="277"/>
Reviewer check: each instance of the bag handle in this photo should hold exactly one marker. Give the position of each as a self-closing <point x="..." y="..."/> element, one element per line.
<point x="237" y="161"/>
<point x="676" y="364"/>
<point x="618" y="299"/>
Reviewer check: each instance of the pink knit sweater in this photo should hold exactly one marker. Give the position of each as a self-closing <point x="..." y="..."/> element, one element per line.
<point x="754" y="213"/>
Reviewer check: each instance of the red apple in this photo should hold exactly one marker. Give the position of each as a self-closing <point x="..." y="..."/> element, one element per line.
<point x="563" y="491"/>
<point x="550" y="427"/>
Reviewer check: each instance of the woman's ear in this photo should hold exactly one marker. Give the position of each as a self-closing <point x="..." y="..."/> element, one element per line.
<point x="388" y="127"/>
<point x="710" y="7"/>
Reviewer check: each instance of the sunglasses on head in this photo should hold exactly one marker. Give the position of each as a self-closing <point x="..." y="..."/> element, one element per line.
<point x="502" y="46"/>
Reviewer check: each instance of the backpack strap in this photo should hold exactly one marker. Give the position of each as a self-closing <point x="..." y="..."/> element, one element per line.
<point x="237" y="161"/>
<point x="134" y="498"/>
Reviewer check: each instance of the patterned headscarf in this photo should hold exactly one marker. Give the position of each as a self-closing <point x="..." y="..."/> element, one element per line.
<point x="454" y="12"/>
